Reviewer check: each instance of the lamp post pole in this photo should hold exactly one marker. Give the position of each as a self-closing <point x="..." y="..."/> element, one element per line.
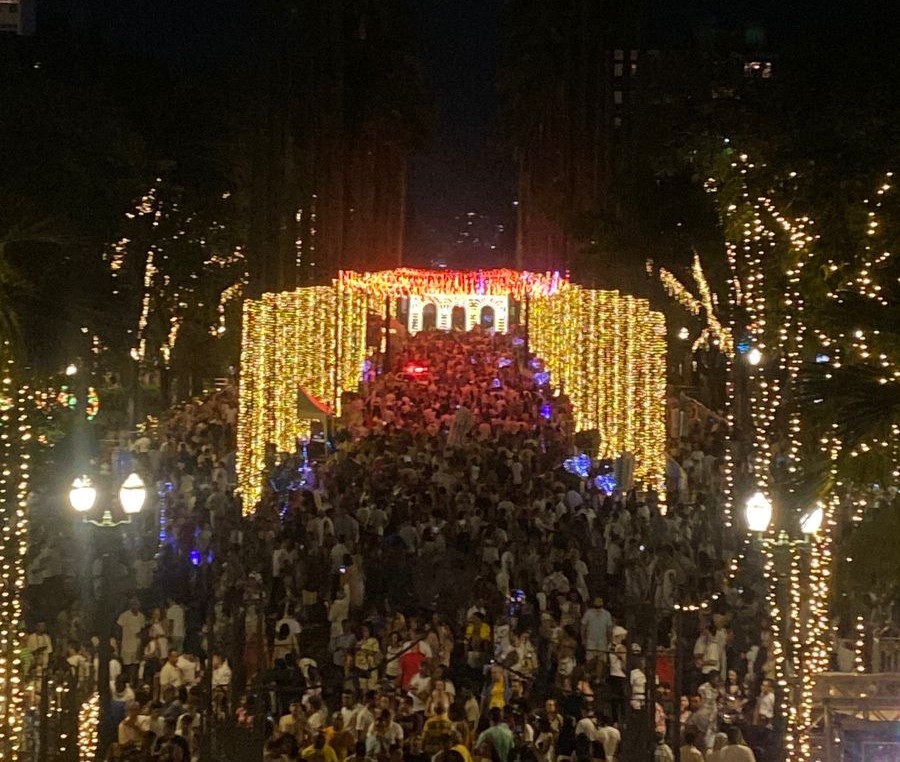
<point x="82" y="498"/>
<point x="758" y="513"/>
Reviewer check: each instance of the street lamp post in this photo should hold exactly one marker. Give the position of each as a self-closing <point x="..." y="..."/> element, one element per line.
<point x="82" y="498"/>
<point x="758" y="514"/>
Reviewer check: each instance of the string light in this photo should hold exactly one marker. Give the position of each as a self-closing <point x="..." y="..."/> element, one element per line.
<point x="859" y="656"/>
<point x="169" y="284"/>
<point x="15" y="433"/>
<point x="606" y="351"/>
<point x="756" y="234"/>
<point x="712" y="334"/>
<point x="88" y="725"/>
<point x="314" y="337"/>
<point x="404" y="281"/>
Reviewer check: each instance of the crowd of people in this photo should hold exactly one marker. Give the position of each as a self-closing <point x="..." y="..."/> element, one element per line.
<point x="440" y="585"/>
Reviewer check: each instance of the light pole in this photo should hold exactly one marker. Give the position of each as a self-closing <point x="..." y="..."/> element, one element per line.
<point x="758" y="514"/>
<point x="83" y="496"/>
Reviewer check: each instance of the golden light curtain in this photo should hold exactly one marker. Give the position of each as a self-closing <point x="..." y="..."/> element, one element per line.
<point x="312" y="337"/>
<point x="607" y="352"/>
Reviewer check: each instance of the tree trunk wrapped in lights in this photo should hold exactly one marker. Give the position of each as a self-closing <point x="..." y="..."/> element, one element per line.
<point x="15" y="432"/>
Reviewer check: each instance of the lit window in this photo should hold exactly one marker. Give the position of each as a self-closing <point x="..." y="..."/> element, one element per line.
<point x="619" y="55"/>
<point x="617" y="97"/>
<point x="618" y="70"/>
<point x="758" y="69"/>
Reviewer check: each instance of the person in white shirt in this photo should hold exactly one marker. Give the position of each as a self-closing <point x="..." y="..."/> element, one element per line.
<point x="317" y="716"/>
<point x="765" y="705"/>
<point x="586" y="725"/>
<point x="175" y="619"/>
<point x="131" y="622"/>
<point x="638" y="680"/>
<point x="79" y="665"/>
<point x="170" y="675"/>
<point x="420" y="686"/>
<point x="350" y="709"/>
<point x="188" y="666"/>
<point x="736" y="750"/>
<point x="221" y="681"/>
<point x="383" y="734"/>
<point x="707" y="646"/>
<point x="221" y="676"/>
<point x="40" y="645"/>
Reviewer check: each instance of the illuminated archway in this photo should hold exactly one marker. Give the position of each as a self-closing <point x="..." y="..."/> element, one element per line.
<point x="604" y="350"/>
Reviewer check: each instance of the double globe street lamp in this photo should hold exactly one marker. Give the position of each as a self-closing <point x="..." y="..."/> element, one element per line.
<point x="132" y="495"/>
<point x="758" y="513"/>
<point x="83" y="495"/>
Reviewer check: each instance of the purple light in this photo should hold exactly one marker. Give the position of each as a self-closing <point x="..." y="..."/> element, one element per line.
<point x="518" y="341"/>
<point x="547" y="410"/>
<point x="504" y="362"/>
<point x="606" y="483"/>
<point x="580" y="465"/>
<point x="542" y="378"/>
<point x="196" y="558"/>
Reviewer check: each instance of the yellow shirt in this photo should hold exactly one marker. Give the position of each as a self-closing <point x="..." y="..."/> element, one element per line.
<point x="483" y="635"/>
<point x="325" y="754"/>
<point x="498" y="695"/>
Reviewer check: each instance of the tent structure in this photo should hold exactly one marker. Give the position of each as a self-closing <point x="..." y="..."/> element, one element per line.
<point x="310" y="408"/>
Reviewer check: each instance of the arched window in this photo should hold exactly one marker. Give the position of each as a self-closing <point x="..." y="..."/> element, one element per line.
<point x="458" y="318"/>
<point x="429" y="317"/>
<point x="487" y="318"/>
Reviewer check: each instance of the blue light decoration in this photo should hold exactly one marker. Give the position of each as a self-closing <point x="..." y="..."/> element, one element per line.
<point x="822" y="358"/>
<point x="743" y="345"/>
<point x="504" y="362"/>
<point x="534" y="363"/>
<point x="580" y="465"/>
<point x="518" y="341"/>
<point x="366" y="367"/>
<point x="606" y="483"/>
<point x="547" y="410"/>
<point x="496" y="383"/>
<point x="542" y="378"/>
<point x="166" y="489"/>
<point x="196" y="558"/>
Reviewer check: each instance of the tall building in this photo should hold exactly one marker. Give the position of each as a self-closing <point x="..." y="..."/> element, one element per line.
<point x="17" y="16"/>
<point x="340" y="101"/>
<point x="584" y="83"/>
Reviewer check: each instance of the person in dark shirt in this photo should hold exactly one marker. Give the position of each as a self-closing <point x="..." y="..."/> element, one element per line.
<point x="694" y="678"/>
<point x="168" y="739"/>
<point x="414" y="752"/>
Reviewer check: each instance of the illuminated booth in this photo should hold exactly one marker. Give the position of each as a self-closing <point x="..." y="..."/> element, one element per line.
<point x="606" y="351"/>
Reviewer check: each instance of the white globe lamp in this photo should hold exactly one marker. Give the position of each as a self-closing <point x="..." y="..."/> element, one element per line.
<point x="132" y="494"/>
<point x="811" y="521"/>
<point x="82" y="495"/>
<point x="758" y="512"/>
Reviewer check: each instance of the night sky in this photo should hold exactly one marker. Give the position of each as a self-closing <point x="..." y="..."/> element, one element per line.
<point x="465" y="168"/>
